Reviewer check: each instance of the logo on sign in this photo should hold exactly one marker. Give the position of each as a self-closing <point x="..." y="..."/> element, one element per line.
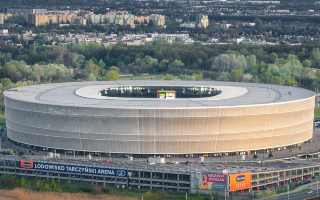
<point x="26" y="164"/>
<point x="240" y="178"/>
<point x="121" y="173"/>
<point x="240" y="181"/>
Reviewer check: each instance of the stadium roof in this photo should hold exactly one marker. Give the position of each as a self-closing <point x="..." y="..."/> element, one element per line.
<point x="86" y="94"/>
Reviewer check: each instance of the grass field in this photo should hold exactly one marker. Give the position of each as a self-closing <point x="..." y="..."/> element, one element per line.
<point x="22" y="194"/>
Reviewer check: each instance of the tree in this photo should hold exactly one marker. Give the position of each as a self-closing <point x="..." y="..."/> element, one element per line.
<point x="92" y="70"/>
<point x="6" y="83"/>
<point x="286" y="71"/>
<point x="176" y="66"/>
<point x="146" y="64"/>
<point x="17" y="19"/>
<point x="112" y="74"/>
<point x="56" y="72"/>
<point x="251" y="61"/>
<point x="163" y="65"/>
<point x="237" y="73"/>
<point x="224" y="76"/>
<point x="315" y="55"/>
<point x="91" y="77"/>
<point x="198" y="76"/>
<point x="102" y="64"/>
<point x="274" y="57"/>
<point x="227" y="62"/>
<point x="37" y="73"/>
<point x="273" y="74"/>
<point x="16" y="70"/>
<point x="294" y="65"/>
<point x="307" y="63"/>
<point x="5" y="57"/>
<point x="23" y="83"/>
<point x="77" y="60"/>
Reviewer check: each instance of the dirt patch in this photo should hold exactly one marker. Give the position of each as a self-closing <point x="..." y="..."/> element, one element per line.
<point x="21" y="194"/>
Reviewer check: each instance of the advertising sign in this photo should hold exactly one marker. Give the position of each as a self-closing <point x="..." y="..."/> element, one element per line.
<point x="26" y="164"/>
<point x="213" y="181"/>
<point x="240" y="181"/>
<point x="79" y="169"/>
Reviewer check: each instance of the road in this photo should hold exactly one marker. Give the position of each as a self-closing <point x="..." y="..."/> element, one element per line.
<point x="297" y="196"/>
<point x="304" y="192"/>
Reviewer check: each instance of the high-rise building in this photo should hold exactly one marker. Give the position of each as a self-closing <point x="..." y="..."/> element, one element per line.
<point x="4" y="17"/>
<point x="141" y="19"/>
<point x="203" y="21"/>
<point x="158" y="20"/>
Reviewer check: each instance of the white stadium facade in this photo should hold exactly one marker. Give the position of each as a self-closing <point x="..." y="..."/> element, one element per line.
<point x="159" y="117"/>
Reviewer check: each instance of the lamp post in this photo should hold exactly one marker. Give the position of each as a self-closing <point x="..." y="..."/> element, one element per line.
<point x="252" y="191"/>
<point x="225" y="192"/>
<point x="226" y="182"/>
<point x="288" y="190"/>
<point x="289" y="176"/>
<point x="317" y="188"/>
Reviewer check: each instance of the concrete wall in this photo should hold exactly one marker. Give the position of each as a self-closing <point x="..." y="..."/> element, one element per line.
<point x="161" y="131"/>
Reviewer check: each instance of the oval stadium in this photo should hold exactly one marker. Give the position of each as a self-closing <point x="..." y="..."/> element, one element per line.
<point x="159" y="117"/>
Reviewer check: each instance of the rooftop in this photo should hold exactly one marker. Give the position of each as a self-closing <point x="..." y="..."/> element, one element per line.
<point x="88" y="94"/>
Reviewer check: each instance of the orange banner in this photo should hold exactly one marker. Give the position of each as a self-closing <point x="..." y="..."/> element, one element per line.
<point x="240" y="181"/>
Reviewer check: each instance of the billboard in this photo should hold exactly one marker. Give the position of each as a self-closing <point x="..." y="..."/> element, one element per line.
<point x="213" y="181"/>
<point x="240" y="181"/>
<point x="26" y="164"/>
<point x="78" y="169"/>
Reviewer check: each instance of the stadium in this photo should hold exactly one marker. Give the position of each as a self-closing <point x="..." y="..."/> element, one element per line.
<point x="159" y="117"/>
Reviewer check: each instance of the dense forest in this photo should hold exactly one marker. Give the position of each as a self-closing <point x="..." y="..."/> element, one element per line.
<point x="289" y="65"/>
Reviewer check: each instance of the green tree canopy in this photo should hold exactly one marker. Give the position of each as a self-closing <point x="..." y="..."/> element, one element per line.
<point x="112" y="74"/>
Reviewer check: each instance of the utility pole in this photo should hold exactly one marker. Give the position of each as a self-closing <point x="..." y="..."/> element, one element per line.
<point x="289" y="190"/>
<point x="225" y="193"/>
<point x="317" y="188"/>
<point x="252" y="194"/>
